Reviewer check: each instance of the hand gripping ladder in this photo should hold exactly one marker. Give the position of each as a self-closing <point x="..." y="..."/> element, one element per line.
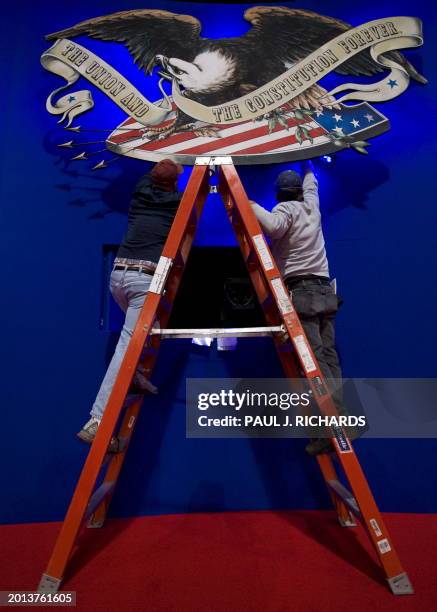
<point x="89" y="506"/>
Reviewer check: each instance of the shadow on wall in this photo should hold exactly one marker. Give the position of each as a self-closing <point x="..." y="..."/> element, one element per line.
<point x="110" y="189"/>
<point x="338" y="184"/>
<point x="276" y="459"/>
<point x="188" y="476"/>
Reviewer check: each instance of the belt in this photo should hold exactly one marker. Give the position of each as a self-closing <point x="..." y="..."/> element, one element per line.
<point x="128" y="261"/>
<point x="144" y="269"/>
<point x="318" y="280"/>
<point x="138" y="265"/>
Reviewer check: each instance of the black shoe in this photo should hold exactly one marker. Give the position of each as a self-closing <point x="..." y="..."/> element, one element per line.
<point x="319" y="446"/>
<point x="141" y="385"/>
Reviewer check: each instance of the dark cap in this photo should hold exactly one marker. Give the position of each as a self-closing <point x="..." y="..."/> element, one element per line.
<point x="165" y="173"/>
<point x="289" y="179"/>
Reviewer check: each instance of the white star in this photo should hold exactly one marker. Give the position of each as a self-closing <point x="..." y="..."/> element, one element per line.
<point x="319" y="112"/>
<point x="369" y="117"/>
<point x="339" y="130"/>
<point x="337" y="117"/>
<point x="355" y="123"/>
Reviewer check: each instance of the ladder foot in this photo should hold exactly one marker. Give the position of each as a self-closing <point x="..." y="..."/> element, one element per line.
<point x="48" y="584"/>
<point x="401" y="585"/>
<point x="95" y="524"/>
<point x="349" y="522"/>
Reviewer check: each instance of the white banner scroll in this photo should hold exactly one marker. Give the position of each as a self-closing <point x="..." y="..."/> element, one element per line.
<point x="389" y="87"/>
<point x="70" y="61"/>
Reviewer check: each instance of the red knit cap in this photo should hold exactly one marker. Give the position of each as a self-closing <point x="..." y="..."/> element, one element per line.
<point x="165" y="174"/>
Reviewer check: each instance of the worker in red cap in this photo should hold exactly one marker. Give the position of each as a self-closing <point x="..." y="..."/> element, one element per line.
<point x="151" y="212"/>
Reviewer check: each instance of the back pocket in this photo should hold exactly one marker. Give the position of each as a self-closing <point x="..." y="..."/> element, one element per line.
<point x="331" y="303"/>
<point x="307" y="303"/>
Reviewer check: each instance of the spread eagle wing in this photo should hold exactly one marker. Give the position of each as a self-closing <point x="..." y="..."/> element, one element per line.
<point x="290" y="35"/>
<point x="145" y="33"/>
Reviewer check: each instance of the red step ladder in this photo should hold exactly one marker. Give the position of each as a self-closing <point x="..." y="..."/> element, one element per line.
<point x="89" y="506"/>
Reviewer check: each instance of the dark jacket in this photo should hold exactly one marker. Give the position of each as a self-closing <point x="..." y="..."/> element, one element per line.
<point x="151" y="214"/>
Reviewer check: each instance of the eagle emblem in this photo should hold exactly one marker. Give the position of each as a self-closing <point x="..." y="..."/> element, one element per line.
<point x="256" y="97"/>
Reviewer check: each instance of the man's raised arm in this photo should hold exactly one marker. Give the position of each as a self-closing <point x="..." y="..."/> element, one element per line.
<point x="310" y="185"/>
<point x="274" y="224"/>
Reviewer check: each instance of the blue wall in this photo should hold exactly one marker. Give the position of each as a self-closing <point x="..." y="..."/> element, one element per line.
<point x="380" y="219"/>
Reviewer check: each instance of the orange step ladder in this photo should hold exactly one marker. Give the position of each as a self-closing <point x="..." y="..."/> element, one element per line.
<point x="89" y="506"/>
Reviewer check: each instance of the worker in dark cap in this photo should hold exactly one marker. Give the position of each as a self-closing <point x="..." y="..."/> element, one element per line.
<point x="294" y="227"/>
<point x="151" y="212"/>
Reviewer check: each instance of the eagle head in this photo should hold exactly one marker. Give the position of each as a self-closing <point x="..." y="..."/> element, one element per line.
<point x="210" y="71"/>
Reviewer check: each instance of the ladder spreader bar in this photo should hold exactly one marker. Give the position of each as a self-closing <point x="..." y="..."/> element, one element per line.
<point x="217" y="332"/>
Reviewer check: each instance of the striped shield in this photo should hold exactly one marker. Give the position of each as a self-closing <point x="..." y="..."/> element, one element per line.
<point x="267" y="140"/>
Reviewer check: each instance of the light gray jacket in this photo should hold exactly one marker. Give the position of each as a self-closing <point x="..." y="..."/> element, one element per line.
<point x="295" y="231"/>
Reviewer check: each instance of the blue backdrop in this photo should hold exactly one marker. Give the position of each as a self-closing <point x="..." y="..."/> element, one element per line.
<point x="380" y="225"/>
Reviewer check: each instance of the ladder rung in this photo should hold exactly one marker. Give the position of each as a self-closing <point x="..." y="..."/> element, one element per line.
<point x="217" y="332"/>
<point x="250" y="256"/>
<point x="346" y="496"/>
<point x="97" y="497"/>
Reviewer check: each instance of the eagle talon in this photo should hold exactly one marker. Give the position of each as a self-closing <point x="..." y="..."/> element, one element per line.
<point x="202" y="130"/>
<point x="163" y="133"/>
<point x="158" y="133"/>
<point x="209" y="132"/>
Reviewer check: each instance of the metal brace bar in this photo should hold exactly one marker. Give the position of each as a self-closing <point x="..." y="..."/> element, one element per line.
<point x="216" y="332"/>
<point x="346" y="496"/>
<point x="98" y="496"/>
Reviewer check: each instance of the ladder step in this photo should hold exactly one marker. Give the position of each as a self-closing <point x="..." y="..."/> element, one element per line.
<point x="97" y="497"/>
<point x="346" y="496"/>
<point x="250" y="257"/>
<point x="217" y="332"/>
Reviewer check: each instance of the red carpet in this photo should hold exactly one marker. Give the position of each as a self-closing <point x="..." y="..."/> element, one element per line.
<point x="229" y="562"/>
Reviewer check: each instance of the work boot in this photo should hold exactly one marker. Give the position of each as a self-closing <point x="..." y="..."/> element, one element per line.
<point x="319" y="446"/>
<point x="141" y="385"/>
<point x="88" y="433"/>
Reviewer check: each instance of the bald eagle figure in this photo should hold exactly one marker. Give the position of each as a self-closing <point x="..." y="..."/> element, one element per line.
<point x="215" y="71"/>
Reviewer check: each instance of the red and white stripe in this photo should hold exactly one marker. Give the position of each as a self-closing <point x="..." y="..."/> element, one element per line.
<point x="247" y="138"/>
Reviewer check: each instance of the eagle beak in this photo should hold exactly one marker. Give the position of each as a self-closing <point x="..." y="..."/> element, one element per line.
<point x="162" y="60"/>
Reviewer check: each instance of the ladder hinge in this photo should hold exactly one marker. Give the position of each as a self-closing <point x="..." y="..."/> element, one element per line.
<point x="213" y="161"/>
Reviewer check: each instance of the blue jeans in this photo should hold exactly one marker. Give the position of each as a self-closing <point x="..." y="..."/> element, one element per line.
<point x="129" y="289"/>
